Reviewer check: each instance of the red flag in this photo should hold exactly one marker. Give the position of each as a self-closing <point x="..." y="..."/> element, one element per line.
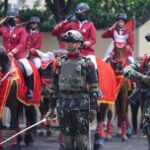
<point x="131" y="24"/>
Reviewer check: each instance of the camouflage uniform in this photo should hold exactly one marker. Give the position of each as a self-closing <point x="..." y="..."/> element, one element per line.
<point x="140" y="72"/>
<point x="74" y="92"/>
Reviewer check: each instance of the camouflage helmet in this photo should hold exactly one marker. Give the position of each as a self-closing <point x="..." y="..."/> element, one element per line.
<point x="35" y="19"/>
<point x="122" y="16"/>
<point x="147" y="37"/>
<point x="73" y="36"/>
<point x="82" y="7"/>
<point x="13" y="13"/>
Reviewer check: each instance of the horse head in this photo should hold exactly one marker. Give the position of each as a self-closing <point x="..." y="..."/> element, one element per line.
<point x="4" y="61"/>
<point x="118" y="59"/>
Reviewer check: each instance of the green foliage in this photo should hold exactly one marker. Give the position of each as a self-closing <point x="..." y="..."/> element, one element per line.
<point x="47" y="19"/>
<point x="1" y="8"/>
<point x="103" y="12"/>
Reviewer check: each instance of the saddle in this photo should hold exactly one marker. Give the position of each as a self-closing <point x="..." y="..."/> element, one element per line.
<point x="22" y="79"/>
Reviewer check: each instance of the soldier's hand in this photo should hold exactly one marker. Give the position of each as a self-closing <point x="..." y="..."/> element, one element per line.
<point x="92" y="115"/>
<point x="126" y="71"/>
<point x="33" y="51"/>
<point x="49" y="113"/>
<point x="113" y="26"/>
<point x="10" y="54"/>
<point x="71" y="17"/>
<point x="146" y="79"/>
<point x="3" y="20"/>
<point x="87" y="44"/>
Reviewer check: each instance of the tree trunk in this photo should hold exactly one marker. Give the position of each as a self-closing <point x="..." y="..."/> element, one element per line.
<point x="5" y="6"/>
<point x="59" y="8"/>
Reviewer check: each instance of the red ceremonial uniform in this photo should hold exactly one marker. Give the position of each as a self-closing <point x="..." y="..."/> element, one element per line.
<point x="14" y="38"/>
<point x="86" y="28"/>
<point x="34" y="40"/>
<point x="121" y="33"/>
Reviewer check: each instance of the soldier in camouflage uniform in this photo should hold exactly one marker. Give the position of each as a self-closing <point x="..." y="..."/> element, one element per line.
<point x="140" y="72"/>
<point x="74" y="92"/>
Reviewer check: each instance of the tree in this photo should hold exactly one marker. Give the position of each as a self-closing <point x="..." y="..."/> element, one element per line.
<point x="60" y="8"/>
<point x="5" y="6"/>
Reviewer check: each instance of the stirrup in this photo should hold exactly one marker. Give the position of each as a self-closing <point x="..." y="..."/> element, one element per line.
<point x="29" y="94"/>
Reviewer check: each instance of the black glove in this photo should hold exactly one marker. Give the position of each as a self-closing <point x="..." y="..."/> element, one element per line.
<point x="71" y="17"/>
<point x="92" y="115"/>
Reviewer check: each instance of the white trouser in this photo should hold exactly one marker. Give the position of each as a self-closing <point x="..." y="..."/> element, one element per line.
<point x="37" y="62"/>
<point x="93" y="59"/>
<point x="26" y="65"/>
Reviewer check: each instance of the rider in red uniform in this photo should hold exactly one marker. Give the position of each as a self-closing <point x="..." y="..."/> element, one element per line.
<point x="82" y="25"/>
<point x="34" y="40"/>
<point x="14" y="40"/>
<point x="118" y="32"/>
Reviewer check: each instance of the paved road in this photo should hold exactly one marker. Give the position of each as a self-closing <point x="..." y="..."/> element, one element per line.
<point x="50" y="143"/>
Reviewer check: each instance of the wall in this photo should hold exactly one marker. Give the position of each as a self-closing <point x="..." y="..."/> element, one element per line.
<point x="143" y="45"/>
<point x="50" y="42"/>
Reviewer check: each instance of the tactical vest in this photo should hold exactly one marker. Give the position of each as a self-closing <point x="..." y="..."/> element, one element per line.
<point x="72" y="75"/>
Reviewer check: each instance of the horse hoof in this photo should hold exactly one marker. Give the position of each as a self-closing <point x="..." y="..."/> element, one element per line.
<point x="129" y="132"/>
<point x="15" y="147"/>
<point x="108" y="138"/>
<point x="98" y="143"/>
<point x="98" y="146"/>
<point x="28" y="140"/>
<point x="19" y="139"/>
<point x="61" y="147"/>
<point x="41" y="134"/>
<point x="49" y="133"/>
<point x="1" y="148"/>
<point x="118" y="135"/>
<point x="124" y="138"/>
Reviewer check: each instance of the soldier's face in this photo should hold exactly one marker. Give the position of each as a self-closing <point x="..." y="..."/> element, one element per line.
<point x="121" y="23"/>
<point x="34" y="25"/>
<point x="72" y="46"/>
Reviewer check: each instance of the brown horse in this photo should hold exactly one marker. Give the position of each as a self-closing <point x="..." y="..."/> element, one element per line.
<point x="117" y="62"/>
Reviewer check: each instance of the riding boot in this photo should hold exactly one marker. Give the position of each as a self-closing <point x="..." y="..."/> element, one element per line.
<point x="40" y="71"/>
<point x="29" y="83"/>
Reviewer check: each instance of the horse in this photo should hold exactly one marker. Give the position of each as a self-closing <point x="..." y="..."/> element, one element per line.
<point x="117" y="62"/>
<point x="9" y="78"/>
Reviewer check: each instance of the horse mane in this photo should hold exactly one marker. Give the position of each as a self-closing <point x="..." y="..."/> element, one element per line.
<point x="4" y="60"/>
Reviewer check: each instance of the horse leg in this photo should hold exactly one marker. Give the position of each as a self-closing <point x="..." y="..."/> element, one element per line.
<point x="13" y="110"/>
<point x="124" y="103"/>
<point x="118" y="110"/>
<point x="1" y="124"/>
<point x="129" y="128"/>
<point x="30" y="114"/>
<point x="100" y="133"/>
<point x="109" y="124"/>
<point x="19" y="112"/>
<point x="44" y="107"/>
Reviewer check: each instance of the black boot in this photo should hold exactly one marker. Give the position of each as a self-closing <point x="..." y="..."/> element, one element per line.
<point x="40" y="72"/>
<point x="29" y="83"/>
